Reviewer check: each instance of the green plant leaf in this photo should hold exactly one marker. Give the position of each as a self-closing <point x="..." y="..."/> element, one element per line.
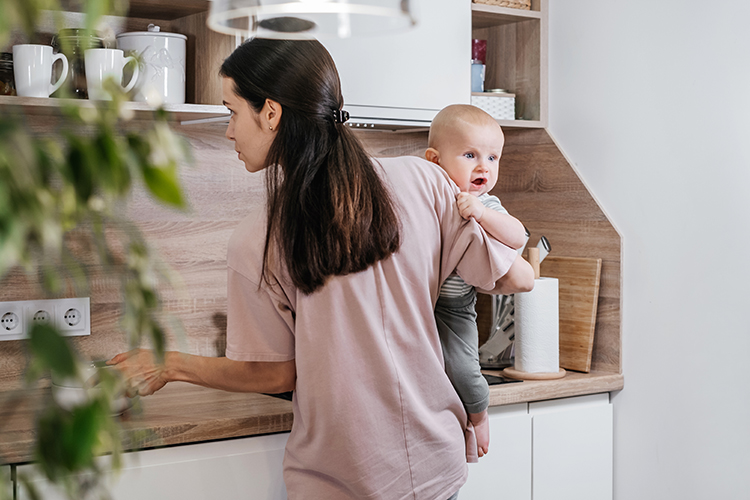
<point x="163" y="183"/>
<point x="52" y="351"/>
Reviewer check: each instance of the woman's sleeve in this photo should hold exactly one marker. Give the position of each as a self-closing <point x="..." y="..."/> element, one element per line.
<point x="476" y="257"/>
<point x="260" y="321"/>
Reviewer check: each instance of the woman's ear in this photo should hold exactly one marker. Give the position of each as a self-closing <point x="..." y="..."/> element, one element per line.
<point x="271" y="114"/>
<point x="432" y="155"/>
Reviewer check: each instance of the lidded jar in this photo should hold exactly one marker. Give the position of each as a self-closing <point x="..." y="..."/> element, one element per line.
<point x="73" y="42"/>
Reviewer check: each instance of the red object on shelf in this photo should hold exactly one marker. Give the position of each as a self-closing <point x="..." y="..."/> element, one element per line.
<point x="479" y="50"/>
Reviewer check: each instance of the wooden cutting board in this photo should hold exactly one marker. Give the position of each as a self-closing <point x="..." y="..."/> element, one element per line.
<point x="579" y="293"/>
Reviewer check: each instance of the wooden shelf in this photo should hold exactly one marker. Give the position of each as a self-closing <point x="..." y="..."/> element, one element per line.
<point x="520" y="123"/>
<point x="488" y="16"/>
<point x="51" y="107"/>
<point x="516" y="57"/>
<point x="165" y="9"/>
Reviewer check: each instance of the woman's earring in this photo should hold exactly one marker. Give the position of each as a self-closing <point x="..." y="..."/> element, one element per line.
<point x="270" y="127"/>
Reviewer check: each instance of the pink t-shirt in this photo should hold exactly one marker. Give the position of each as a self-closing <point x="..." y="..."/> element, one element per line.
<point x="375" y="415"/>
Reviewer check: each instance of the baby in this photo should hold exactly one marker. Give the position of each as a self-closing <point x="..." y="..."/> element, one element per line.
<point x="467" y="143"/>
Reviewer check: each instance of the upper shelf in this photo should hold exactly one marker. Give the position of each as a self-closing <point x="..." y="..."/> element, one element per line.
<point x="183" y="113"/>
<point x="166" y="9"/>
<point x="487" y="16"/>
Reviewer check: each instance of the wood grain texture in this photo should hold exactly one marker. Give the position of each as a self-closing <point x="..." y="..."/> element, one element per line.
<point x="203" y="85"/>
<point x="537" y="185"/>
<point x="578" y="280"/>
<point x="178" y="414"/>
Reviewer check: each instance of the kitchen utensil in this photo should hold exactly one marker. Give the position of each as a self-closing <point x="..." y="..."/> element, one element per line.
<point x="102" y="64"/>
<point x="70" y="392"/>
<point x="579" y="294"/>
<point x="73" y="42"/>
<point x="32" y="70"/>
<point x="162" y="60"/>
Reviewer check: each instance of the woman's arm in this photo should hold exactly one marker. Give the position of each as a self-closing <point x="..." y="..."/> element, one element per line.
<point x="519" y="278"/>
<point x="145" y="377"/>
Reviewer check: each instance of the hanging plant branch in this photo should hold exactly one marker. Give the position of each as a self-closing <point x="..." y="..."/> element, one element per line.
<point x="61" y="211"/>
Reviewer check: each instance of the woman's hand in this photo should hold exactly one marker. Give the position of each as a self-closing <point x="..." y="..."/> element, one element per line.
<point x="141" y="373"/>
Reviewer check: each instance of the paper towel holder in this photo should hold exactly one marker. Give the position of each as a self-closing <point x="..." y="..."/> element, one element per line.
<point x="511" y="372"/>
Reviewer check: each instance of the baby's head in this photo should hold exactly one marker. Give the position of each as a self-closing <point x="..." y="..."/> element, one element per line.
<point x="467" y="143"/>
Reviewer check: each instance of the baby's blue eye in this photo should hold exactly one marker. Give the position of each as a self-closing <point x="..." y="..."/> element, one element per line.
<point x="469" y="155"/>
<point x="492" y="158"/>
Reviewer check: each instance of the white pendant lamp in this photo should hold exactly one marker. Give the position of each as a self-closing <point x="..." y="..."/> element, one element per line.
<point x="301" y="19"/>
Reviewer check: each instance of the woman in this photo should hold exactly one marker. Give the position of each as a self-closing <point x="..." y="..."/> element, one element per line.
<point x="331" y="289"/>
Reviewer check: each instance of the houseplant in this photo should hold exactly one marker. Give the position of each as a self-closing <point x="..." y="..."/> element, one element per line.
<point x="61" y="205"/>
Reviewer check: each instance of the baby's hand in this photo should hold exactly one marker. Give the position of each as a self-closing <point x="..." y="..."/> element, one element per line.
<point x="469" y="206"/>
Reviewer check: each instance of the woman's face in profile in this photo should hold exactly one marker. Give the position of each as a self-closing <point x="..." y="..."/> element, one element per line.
<point x="252" y="137"/>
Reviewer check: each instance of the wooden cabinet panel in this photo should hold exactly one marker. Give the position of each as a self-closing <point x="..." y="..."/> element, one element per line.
<point x="572" y="448"/>
<point x="505" y="472"/>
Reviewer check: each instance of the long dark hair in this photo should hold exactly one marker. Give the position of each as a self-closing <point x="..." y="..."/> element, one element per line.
<point x="329" y="212"/>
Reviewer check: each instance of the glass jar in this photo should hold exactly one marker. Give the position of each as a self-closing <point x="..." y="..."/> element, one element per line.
<point x="73" y="42"/>
<point x="7" y="81"/>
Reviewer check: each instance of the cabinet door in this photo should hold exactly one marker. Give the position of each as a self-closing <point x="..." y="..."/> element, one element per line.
<point x="505" y="472"/>
<point x="232" y="469"/>
<point x="412" y="74"/>
<point x="572" y="448"/>
<point x="6" y="487"/>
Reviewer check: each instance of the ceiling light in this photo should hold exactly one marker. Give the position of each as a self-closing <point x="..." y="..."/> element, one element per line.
<point x="309" y="18"/>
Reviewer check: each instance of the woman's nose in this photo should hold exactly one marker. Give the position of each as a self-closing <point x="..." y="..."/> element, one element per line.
<point x="230" y="132"/>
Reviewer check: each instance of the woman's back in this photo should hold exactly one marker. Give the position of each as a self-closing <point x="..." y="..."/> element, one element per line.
<point x="375" y="414"/>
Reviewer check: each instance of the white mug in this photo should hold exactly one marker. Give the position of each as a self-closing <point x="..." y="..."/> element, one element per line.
<point x="105" y="63"/>
<point x="32" y="70"/>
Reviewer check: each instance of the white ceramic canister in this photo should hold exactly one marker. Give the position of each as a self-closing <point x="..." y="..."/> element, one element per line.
<point x="162" y="57"/>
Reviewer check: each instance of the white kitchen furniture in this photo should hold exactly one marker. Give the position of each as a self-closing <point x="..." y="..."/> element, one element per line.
<point x="6" y="486"/>
<point x="230" y="469"/>
<point x="406" y="78"/>
<point x="551" y="450"/>
<point x="505" y="472"/>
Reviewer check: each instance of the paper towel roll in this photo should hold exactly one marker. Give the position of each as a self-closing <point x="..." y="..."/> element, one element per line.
<point x="538" y="328"/>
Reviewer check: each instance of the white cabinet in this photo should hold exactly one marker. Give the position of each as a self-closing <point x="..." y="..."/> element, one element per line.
<point x="551" y="450"/>
<point x="505" y="472"/>
<point x="6" y="486"/>
<point x="232" y="469"/>
<point x="406" y="78"/>
<point x="572" y="448"/>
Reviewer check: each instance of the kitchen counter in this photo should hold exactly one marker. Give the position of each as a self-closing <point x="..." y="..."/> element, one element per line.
<point x="182" y="413"/>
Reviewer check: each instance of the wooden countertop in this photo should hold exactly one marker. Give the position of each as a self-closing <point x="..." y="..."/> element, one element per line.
<point x="182" y="413"/>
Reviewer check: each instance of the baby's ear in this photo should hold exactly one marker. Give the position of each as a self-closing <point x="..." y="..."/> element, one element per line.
<point x="432" y="155"/>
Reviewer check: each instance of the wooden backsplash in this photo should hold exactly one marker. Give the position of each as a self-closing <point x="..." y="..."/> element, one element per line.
<point x="536" y="184"/>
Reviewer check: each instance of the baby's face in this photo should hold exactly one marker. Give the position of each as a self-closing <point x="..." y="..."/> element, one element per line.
<point x="471" y="157"/>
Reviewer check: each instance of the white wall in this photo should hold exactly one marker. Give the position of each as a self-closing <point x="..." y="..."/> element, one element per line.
<point x="650" y="100"/>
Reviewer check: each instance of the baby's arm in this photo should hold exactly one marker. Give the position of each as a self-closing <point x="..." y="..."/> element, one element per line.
<point x="503" y="227"/>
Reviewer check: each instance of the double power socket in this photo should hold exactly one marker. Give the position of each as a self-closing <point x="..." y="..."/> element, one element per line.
<point x="70" y="316"/>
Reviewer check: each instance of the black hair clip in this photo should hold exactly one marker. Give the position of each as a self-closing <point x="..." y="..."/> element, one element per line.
<point x="340" y="115"/>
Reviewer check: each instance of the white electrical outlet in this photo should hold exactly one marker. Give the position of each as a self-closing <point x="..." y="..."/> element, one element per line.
<point x="12" y="321"/>
<point x="70" y="316"/>
<point x="73" y="316"/>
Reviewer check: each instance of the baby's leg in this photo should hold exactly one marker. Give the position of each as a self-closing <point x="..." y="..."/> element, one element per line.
<point x="481" y="423"/>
